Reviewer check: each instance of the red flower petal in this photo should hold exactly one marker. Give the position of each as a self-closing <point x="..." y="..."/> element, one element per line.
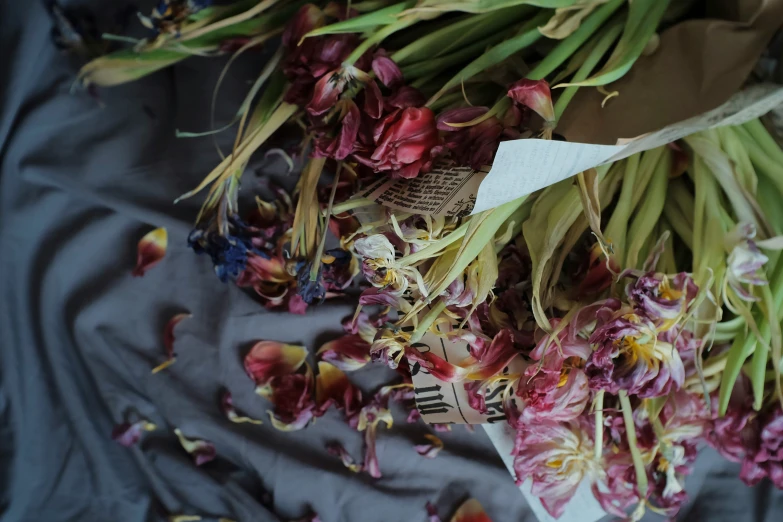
<point x="292" y="395"/>
<point x="202" y="451"/>
<point x="151" y="249"/>
<point x="129" y="434"/>
<point x="348" y="353"/>
<point x="386" y="70"/>
<point x="269" y="359"/>
<point x="168" y="341"/>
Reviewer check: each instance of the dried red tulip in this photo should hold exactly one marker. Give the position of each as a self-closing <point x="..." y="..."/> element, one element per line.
<point x="535" y="95"/>
<point x="403" y="143"/>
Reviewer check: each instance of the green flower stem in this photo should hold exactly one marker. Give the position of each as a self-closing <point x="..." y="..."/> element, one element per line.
<point x="528" y="35"/>
<point x="433" y="66"/>
<point x="427" y="321"/>
<point x="766" y="165"/>
<point x="574" y="41"/>
<point x="649" y="212"/>
<point x="352" y="204"/>
<point x="633" y="445"/>
<point x="379" y="36"/>
<point x="316" y="267"/>
<point x="605" y="40"/>
<point x="680" y="224"/>
<point x="617" y="228"/>
<point x="743" y="347"/>
<point x="466" y="31"/>
<point x="763" y="139"/>
<point x="432" y="249"/>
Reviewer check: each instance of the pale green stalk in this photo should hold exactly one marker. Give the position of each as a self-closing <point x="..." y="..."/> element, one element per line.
<point x="574" y="41"/>
<point x="427" y="321"/>
<point x="680" y="224"/>
<point x="617" y="228"/>
<point x="732" y="145"/>
<point x="432" y="249"/>
<point x="378" y="37"/>
<point x="771" y="168"/>
<point x="352" y="204"/>
<point x="764" y="140"/>
<point x="633" y="444"/>
<point x="527" y="36"/>
<point x="457" y="35"/>
<point x="743" y="347"/>
<point x="605" y="40"/>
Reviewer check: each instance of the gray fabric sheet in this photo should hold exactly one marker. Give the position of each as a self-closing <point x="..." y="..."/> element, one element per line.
<point x="80" y="184"/>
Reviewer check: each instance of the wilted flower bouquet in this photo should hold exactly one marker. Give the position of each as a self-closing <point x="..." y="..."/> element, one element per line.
<point x="628" y="315"/>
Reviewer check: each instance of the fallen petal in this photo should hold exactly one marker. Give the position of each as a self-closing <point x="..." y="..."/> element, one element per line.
<point x="202" y="451"/>
<point x="348" y="353"/>
<point x="151" y="249"/>
<point x="129" y="434"/>
<point x="470" y="511"/>
<point x="430" y="451"/>
<point x="269" y="359"/>
<point x="292" y="395"/>
<point x="168" y="341"/>
<point x="332" y="387"/>
<point x="227" y="405"/>
<point x="432" y="512"/>
<point x="183" y="518"/>
<point x="337" y="449"/>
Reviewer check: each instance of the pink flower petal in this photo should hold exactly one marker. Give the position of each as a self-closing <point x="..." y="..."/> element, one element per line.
<point x="386" y="70"/>
<point x="429" y="451"/>
<point x="129" y="434"/>
<point x="202" y="451"/>
<point x="151" y="249"/>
